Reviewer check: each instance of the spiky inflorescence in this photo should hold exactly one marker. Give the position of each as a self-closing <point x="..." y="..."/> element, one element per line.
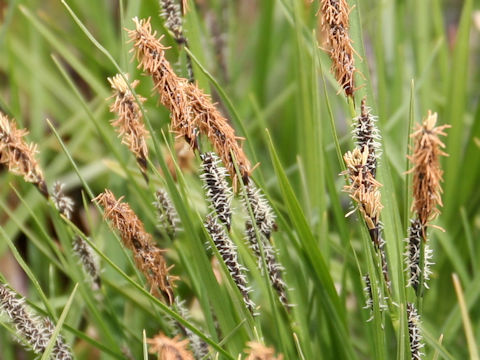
<point x="427" y="173"/>
<point x="88" y="259"/>
<point x="366" y="134"/>
<point x="228" y="251"/>
<point x="413" y="256"/>
<point x="335" y="24"/>
<point x="169" y="349"/>
<point x="369" y="296"/>
<point x="171" y="13"/>
<point x="35" y="332"/>
<point x="167" y="215"/>
<point x="261" y="209"/>
<point x="416" y="343"/>
<point x="216" y="187"/>
<point x="258" y="351"/>
<point x="147" y="256"/>
<point x="191" y="110"/>
<point x="197" y="345"/>
<point x="19" y="156"/>
<point x="129" y="124"/>
<point x="274" y="269"/>
<point x="63" y="203"/>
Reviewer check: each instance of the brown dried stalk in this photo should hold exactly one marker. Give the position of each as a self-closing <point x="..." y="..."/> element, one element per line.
<point x="427" y="173"/>
<point x="129" y="124"/>
<point x="192" y="111"/>
<point x="169" y="349"/>
<point x="335" y="23"/>
<point x="18" y="155"/>
<point x="258" y="351"/>
<point x="148" y="258"/>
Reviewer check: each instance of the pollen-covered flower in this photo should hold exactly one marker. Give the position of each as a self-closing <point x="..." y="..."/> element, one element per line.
<point x="228" y="252"/>
<point x="369" y="297"/>
<point x="335" y="24"/>
<point x="169" y="349"/>
<point x="18" y="155"/>
<point x="63" y="203"/>
<point x="129" y="123"/>
<point x="167" y="215"/>
<point x="261" y="209"/>
<point x="416" y="343"/>
<point x="148" y="258"/>
<point x="427" y="173"/>
<point x="191" y="110"/>
<point x="218" y="192"/>
<point x="413" y="256"/>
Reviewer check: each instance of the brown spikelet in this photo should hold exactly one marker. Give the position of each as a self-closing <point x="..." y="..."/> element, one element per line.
<point x="148" y="258"/>
<point x="191" y="110"/>
<point x="335" y="24"/>
<point x="169" y="349"/>
<point x="18" y="155"/>
<point x="258" y="351"/>
<point x="129" y="123"/>
<point x="427" y="173"/>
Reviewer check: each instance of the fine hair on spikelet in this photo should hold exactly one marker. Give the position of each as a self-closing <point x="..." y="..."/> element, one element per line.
<point x="415" y="336"/>
<point x="413" y="256"/>
<point x="191" y="110"/>
<point x="148" y="258"/>
<point x="18" y="155"/>
<point x="129" y="123"/>
<point x="33" y="331"/>
<point x="335" y="24"/>
<point x="169" y="349"/>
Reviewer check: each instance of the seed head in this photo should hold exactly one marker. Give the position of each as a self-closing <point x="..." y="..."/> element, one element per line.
<point x="262" y="211"/>
<point x="169" y="349"/>
<point x="148" y="258"/>
<point x="18" y="155"/>
<point x="427" y="173"/>
<point x="167" y="215"/>
<point x="170" y="12"/>
<point x="228" y="252"/>
<point x="88" y="260"/>
<point x="216" y="187"/>
<point x="63" y="203"/>
<point x="129" y="123"/>
<point x="416" y="343"/>
<point x="369" y="297"/>
<point x="191" y="110"/>
<point x="335" y="24"/>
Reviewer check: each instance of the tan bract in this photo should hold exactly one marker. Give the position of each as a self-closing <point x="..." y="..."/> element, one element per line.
<point x="148" y="258"/>
<point x="191" y="110"/>
<point x="258" y="351"/>
<point x="129" y="124"/>
<point x="427" y="173"/>
<point x="18" y="155"/>
<point x="169" y="349"/>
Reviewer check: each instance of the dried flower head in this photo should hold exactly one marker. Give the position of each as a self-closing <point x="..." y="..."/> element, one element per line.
<point x="191" y="110"/>
<point x="258" y="351"/>
<point x="413" y="256"/>
<point x="169" y="349"/>
<point x="167" y="215"/>
<point x="416" y="343"/>
<point x="274" y="268"/>
<point x="18" y="155"/>
<point x="148" y="258"/>
<point x="335" y="24"/>
<point x="216" y="187"/>
<point x="369" y="297"/>
<point x="262" y="211"/>
<point x="228" y="252"/>
<point x="34" y="332"/>
<point x="88" y="260"/>
<point x="129" y="124"/>
<point x="366" y="134"/>
<point x="63" y="203"/>
<point x="427" y="173"/>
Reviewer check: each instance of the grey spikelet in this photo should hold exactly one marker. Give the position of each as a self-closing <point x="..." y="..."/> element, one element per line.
<point x="88" y="260"/>
<point x="167" y="214"/>
<point x="63" y="203"/>
<point x="413" y="256"/>
<point x="228" y="251"/>
<point x="261" y="209"/>
<point x="274" y="269"/>
<point x="216" y="187"/>
<point x="369" y="297"/>
<point x="416" y="343"/>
